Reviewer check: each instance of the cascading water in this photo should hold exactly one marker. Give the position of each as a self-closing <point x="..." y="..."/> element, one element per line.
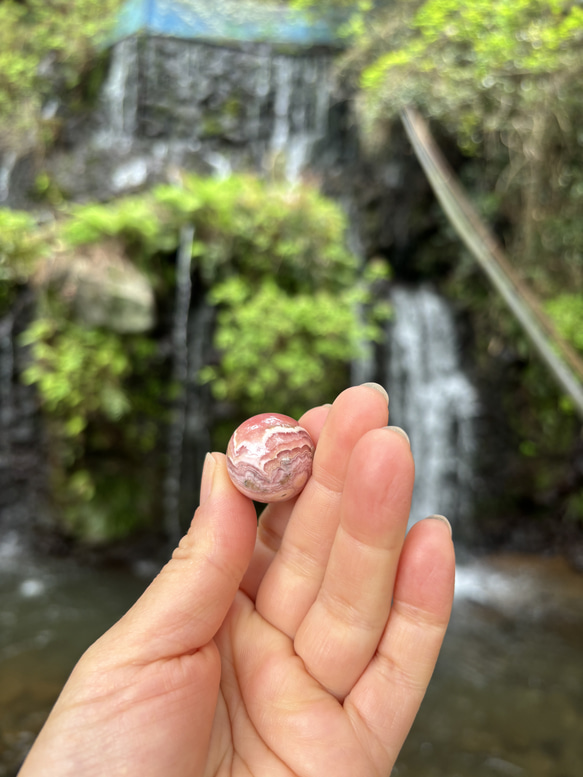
<point x="120" y="93"/>
<point x="169" y="102"/>
<point x="6" y="374"/>
<point x="302" y="107"/>
<point x="434" y="402"/>
<point x="199" y="404"/>
<point x="7" y="164"/>
<point x="9" y="539"/>
<point x="179" y="374"/>
<point x="21" y="455"/>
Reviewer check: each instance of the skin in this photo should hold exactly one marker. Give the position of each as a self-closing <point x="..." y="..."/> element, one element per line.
<point x="300" y="647"/>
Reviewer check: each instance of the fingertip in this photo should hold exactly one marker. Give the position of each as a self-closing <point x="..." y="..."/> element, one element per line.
<point x="443" y="520"/>
<point x="383" y="457"/>
<point x="401" y="432"/>
<point x="206" y="481"/>
<point x="426" y="574"/>
<point x="379" y="389"/>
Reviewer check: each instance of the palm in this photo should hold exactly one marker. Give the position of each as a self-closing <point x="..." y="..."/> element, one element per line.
<point x="281" y="721"/>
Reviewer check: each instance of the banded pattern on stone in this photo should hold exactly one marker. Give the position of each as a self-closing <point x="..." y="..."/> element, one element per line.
<point x="269" y="457"/>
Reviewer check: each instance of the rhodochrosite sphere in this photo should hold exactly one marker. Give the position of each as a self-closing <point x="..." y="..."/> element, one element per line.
<point x="269" y="457"/>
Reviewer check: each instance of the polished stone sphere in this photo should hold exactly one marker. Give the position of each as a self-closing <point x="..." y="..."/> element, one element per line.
<point x="269" y="457"/>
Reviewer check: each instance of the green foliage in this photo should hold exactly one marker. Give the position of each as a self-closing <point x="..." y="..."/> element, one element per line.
<point x="43" y="43"/>
<point x="474" y="65"/>
<point x="107" y="506"/>
<point x="242" y="225"/>
<point x="274" y="259"/>
<point x="286" y="289"/>
<point x="246" y="226"/>
<point x="19" y="244"/>
<point x="20" y="247"/>
<point x="132" y="218"/>
<point x="292" y="309"/>
<point x="279" y="350"/>
<point x="79" y="374"/>
<point x="97" y="394"/>
<point x="566" y="311"/>
<point x="502" y="77"/>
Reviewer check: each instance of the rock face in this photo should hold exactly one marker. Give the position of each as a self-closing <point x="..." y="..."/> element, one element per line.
<point x="171" y="103"/>
<point x="102" y="288"/>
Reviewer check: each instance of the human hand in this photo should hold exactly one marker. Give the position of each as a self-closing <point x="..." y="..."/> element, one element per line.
<point x="299" y="647"/>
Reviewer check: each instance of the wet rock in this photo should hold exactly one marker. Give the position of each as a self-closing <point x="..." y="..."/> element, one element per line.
<point x="102" y="287"/>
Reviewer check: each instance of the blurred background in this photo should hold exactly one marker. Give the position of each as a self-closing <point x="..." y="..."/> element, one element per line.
<point x="209" y="210"/>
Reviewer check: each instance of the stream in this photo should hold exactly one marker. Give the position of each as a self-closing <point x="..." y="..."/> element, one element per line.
<point x="506" y="698"/>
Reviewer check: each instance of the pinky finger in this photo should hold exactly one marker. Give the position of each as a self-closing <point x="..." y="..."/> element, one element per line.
<point x="385" y="700"/>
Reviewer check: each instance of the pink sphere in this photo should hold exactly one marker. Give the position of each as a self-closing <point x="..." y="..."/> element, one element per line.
<point x="269" y="457"/>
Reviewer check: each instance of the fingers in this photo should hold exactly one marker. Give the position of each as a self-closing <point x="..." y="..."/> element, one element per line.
<point x="185" y="605"/>
<point x="341" y="631"/>
<point x="292" y="581"/>
<point x="274" y="518"/>
<point x="385" y="700"/>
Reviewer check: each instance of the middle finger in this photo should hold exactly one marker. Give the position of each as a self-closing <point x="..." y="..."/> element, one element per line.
<point x="292" y="581"/>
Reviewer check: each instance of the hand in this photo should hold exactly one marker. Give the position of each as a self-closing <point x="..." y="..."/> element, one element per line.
<point x="301" y="647"/>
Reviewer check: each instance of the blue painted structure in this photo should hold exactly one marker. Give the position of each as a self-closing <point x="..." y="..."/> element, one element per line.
<point x="227" y="21"/>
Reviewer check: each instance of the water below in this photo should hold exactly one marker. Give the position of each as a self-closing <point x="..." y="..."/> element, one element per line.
<point x="50" y="612"/>
<point x="507" y="695"/>
<point x="506" y="698"/>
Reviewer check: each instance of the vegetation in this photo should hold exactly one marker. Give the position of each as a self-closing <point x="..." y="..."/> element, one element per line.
<point x="291" y="306"/>
<point x="499" y="80"/>
<point x="45" y="47"/>
<point x="19" y="249"/>
<point x="91" y="404"/>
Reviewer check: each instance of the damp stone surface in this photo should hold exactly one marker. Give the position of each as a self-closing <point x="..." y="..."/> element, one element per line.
<point x="269" y="457"/>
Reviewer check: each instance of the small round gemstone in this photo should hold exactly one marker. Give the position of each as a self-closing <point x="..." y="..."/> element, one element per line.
<point x="269" y="457"/>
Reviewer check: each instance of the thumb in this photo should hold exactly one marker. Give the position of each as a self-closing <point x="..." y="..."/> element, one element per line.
<point x="185" y="605"/>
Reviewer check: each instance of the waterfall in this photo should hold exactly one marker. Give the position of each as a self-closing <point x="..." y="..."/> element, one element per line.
<point x="200" y="408"/>
<point x="7" y="164"/>
<point x="19" y="446"/>
<point x="6" y="374"/>
<point x="434" y="402"/>
<point x="179" y="103"/>
<point x="120" y="95"/>
<point x="302" y="89"/>
<point x="179" y="375"/>
<point x="189" y="436"/>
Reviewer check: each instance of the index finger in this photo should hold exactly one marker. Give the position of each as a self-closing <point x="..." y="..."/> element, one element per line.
<point x="275" y="517"/>
<point x="292" y="581"/>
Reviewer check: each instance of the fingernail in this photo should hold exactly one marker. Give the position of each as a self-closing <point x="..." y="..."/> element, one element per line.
<point x="443" y="519"/>
<point x="379" y="388"/>
<point x="206" y="482"/>
<point x="400" y="431"/>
